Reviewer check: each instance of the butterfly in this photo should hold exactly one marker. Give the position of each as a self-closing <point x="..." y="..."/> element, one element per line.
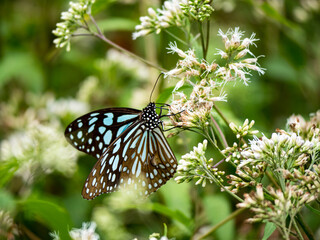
<point x="130" y="146"/>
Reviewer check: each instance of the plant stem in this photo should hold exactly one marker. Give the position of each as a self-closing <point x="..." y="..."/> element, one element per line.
<point x="102" y="37"/>
<point x="208" y="35"/>
<point x="215" y="227"/>
<point x="202" y="41"/>
<point x="81" y="34"/>
<point x="272" y="179"/>
<point x="297" y="229"/>
<point x="221" y="114"/>
<point x="224" y="141"/>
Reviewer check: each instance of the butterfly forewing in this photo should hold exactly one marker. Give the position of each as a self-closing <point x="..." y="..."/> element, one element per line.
<point x="94" y="132"/>
<point x="138" y="159"/>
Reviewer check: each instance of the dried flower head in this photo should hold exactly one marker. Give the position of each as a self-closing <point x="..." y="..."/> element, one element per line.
<point x="306" y="129"/>
<point x="238" y="66"/>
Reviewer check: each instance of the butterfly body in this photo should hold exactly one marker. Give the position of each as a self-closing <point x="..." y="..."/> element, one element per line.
<point x="131" y="149"/>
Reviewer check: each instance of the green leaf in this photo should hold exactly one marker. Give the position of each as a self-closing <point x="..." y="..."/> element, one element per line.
<point x="53" y="216"/>
<point x="171" y="190"/>
<point x="268" y="230"/>
<point x="116" y="24"/>
<point x="7" y="170"/>
<point x="167" y="93"/>
<point x="281" y="70"/>
<point x="164" y="210"/>
<point x="271" y="12"/>
<point x="217" y="208"/>
<point x="313" y="209"/>
<point x="7" y="201"/>
<point x="23" y="67"/>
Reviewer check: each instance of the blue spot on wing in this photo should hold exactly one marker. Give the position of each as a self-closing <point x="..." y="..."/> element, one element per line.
<point x="79" y="135"/>
<point x="101" y="130"/>
<point x="126" y="117"/>
<point x="91" y="128"/>
<point x="93" y="120"/>
<point x="108" y="120"/>
<point x="107" y="137"/>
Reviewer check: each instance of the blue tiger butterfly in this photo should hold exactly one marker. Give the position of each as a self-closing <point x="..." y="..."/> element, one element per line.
<point x="130" y="146"/>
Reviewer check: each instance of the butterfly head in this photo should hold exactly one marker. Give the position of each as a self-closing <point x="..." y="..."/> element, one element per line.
<point x="150" y="116"/>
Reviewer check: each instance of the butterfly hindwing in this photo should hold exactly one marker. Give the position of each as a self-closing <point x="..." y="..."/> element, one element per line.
<point x="95" y="131"/>
<point x="138" y="158"/>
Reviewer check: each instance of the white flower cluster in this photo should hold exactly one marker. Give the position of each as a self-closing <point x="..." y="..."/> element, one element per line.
<point x="171" y="14"/>
<point x="244" y="130"/>
<point x="64" y="107"/>
<point x="73" y="19"/>
<point x="194" y="165"/>
<point x="236" y="49"/>
<point x="37" y="144"/>
<point x="157" y="236"/>
<point x="40" y="147"/>
<point x="196" y="108"/>
<point x="306" y="129"/>
<point x="281" y="151"/>
<point x="283" y="203"/>
<point x="208" y="79"/>
<point x="290" y="159"/>
<point x="87" y="232"/>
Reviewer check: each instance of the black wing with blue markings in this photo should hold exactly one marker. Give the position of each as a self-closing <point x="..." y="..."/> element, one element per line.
<point x="93" y="132"/>
<point x="139" y="160"/>
<point x="131" y="149"/>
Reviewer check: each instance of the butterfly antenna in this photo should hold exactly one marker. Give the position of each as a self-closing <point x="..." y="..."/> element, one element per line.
<point x="154" y="87"/>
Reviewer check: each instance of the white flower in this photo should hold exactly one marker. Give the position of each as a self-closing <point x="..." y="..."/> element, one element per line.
<point x="87" y="232"/>
<point x="64" y="107"/>
<point x="73" y="19"/>
<point x="170" y="15"/>
<point x="173" y="48"/>
<point x="41" y="146"/>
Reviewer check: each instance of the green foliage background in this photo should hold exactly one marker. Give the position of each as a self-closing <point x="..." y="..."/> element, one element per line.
<point x="30" y="65"/>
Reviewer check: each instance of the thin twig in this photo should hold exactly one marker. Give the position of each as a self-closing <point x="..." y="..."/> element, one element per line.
<point x="202" y="40"/>
<point x="218" y="163"/>
<point x="102" y="37"/>
<point x="297" y="229"/>
<point x="208" y="36"/>
<point x="215" y="227"/>
<point x="221" y="114"/>
<point x="81" y="34"/>
<point x="224" y="141"/>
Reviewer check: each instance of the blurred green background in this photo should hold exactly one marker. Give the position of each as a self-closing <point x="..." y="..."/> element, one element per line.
<point x="33" y="73"/>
